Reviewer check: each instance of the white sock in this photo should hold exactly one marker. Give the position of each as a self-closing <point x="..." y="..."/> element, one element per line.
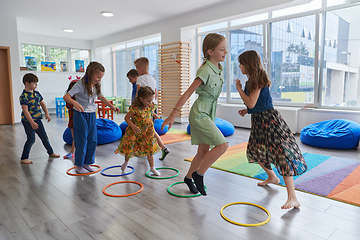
<point x="81" y="169"/>
<point x="123" y="166"/>
<point x="154" y="171"/>
<point x="89" y="168"/>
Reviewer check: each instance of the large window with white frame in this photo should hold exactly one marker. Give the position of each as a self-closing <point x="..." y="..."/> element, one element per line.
<point x="62" y="56"/>
<point x="310" y="51"/>
<point x="124" y="56"/>
<point x="340" y="82"/>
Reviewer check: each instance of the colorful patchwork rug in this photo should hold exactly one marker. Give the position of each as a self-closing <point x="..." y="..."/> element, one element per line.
<point x="332" y="177"/>
<point x="175" y="135"/>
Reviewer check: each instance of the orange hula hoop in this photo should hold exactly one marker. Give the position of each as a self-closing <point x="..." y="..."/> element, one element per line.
<point x="124" y="195"/>
<point x="83" y="174"/>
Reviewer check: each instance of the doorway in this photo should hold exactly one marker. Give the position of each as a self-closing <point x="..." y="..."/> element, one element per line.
<point x="6" y="96"/>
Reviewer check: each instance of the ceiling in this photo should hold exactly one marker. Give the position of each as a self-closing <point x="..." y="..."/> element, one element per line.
<point x="84" y="16"/>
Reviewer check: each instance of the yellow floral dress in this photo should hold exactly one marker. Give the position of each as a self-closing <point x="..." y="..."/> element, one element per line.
<point x="143" y="143"/>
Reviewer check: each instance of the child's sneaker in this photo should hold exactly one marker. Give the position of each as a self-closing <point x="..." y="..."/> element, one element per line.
<point x="69" y="155"/>
<point x="165" y="152"/>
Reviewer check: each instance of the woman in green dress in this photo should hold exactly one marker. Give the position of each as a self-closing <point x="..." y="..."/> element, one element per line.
<point x="204" y="133"/>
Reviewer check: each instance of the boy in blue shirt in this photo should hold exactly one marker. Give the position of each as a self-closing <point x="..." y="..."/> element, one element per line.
<point x="30" y="101"/>
<point x="132" y="75"/>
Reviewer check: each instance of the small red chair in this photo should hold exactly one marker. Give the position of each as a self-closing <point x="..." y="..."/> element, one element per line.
<point x="104" y="111"/>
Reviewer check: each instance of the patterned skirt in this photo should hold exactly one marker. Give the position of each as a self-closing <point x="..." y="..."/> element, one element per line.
<point x="271" y="142"/>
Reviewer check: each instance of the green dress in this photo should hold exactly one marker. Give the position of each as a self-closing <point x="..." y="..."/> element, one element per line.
<point x="203" y="111"/>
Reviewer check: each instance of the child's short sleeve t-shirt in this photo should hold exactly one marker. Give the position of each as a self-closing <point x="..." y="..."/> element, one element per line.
<point x="82" y="97"/>
<point x="147" y="80"/>
<point x="32" y="100"/>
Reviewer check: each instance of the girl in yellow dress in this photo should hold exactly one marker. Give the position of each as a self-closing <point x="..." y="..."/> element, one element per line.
<point x="139" y="138"/>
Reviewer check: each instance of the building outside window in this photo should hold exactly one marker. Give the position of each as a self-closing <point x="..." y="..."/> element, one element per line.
<point x="312" y="59"/>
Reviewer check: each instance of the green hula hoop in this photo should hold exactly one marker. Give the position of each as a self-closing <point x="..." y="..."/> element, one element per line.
<point x="177" y="173"/>
<point x="184" y="196"/>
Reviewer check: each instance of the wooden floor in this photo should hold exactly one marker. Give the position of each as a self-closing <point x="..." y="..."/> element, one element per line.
<point x="40" y="201"/>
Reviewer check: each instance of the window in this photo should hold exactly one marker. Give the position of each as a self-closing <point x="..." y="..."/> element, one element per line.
<point x="77" y="54"/>
<point x="340" y="85"/>
<point x="119" y="61"/>
<point x="59" y="56"/>
<point x="292" y="68"/>
<point x="241" y="40"/>
<point x="36" y="51"/>
<point x="123" y="61"/>
<point x="54" y="54"/>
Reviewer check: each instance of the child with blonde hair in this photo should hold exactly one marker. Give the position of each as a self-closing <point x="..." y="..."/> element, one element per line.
<point x="204" y="133"/>
<point x="139" y="137"/>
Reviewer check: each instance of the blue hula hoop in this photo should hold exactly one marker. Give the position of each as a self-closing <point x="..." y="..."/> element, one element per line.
<point x="118" y="175"/>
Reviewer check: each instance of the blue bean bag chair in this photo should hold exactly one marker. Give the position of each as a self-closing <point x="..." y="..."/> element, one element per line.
<point x="334" y="134"/>
<point x="157" y="126"/>
<point x="224" y="126"/>
<point x="107" y="131"/>
<point x="123" y="127"/>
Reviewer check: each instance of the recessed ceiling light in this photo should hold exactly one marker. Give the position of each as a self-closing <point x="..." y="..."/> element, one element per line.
<point x="107" y="14"/>
<point x="67" y="30"/>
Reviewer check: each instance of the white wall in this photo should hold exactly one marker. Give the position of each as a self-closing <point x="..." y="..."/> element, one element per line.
<point x="170" y="29"/>
<point x="9" y="38"/>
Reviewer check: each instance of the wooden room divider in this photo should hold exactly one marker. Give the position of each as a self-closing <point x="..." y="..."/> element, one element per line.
<point x="174" y="77"/>
<point x="6" y="96"/>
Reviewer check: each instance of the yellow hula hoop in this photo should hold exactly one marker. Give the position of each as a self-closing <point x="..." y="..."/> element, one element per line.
<point x="245" y="224"/>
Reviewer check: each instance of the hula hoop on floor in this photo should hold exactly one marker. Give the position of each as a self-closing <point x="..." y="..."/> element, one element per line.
<point x="118" y="175"/>
<point x="245" y="224"/>
<point x="83" y="174"/>
<point x="184" y="196"/>
<point x="124" y="195"/>
<point x="177" y="173"/>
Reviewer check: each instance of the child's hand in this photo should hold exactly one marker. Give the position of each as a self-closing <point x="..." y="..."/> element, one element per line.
<point x="78" y="107"/>
<point x="242" y="112"/>
<point x="48" y="118"/>
<point x="168" y="121"/>
<point x="117" y="110"/>
<point x="136" y="129"/>
<point x="34" y="125"/>
<point x="156" y="116"/>
<point x="238" y="84"/>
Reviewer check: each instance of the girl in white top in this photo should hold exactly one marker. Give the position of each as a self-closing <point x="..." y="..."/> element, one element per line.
<point x="85" y="134"/>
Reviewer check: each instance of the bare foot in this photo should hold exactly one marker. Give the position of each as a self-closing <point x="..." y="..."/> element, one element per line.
<point x="54" y="155"/>
<point x="291" y="203"/>
<point x="274" y="180"/>
<point x="26" y="161"/>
